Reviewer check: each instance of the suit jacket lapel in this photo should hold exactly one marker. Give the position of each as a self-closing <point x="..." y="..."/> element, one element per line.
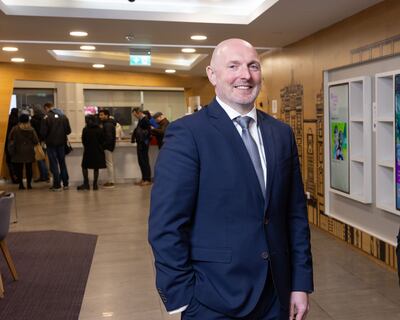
<point x="221" y="121"/>
<point x="269" y="149"/>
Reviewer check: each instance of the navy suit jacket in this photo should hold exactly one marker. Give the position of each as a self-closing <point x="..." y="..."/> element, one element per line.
<point x="207" y="217"/>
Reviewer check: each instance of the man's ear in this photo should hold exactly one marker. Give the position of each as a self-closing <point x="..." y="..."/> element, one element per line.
<point x="211" y="75"/>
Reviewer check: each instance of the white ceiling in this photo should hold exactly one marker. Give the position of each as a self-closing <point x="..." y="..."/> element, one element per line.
<point x="207" y="11"/>
<point x="39" y="27"/>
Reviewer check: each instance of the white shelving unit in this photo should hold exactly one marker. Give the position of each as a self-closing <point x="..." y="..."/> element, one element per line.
<point x="385" y="142"/>
<point x="360" y="131"/>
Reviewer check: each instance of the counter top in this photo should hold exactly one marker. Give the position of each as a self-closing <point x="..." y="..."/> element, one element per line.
<point x="119" y="143"/>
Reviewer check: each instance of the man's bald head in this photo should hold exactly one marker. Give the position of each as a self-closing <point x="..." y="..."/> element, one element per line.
<point x="235" y="73"/>
<point x="226" y="46"/>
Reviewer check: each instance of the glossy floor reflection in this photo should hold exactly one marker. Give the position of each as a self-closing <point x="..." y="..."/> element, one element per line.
<point x="349" y="285"/>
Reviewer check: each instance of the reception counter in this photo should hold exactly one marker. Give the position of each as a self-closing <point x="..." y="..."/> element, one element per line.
<point x="126" y="165"/>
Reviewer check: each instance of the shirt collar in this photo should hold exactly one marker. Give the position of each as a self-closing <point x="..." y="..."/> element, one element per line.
<point x="232" y="113"/>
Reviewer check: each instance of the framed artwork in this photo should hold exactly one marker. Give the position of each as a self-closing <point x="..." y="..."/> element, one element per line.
<point x="338" y="139"/>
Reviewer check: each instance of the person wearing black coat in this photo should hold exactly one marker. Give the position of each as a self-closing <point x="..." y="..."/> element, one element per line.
<point x="54" y="130"/>
<point x="12" y="121"/>
<point x="93" y="152"/>
<point x="108" y="125"/>
<point x="22" y="141"/>
<point x="141" y="135"/>
<point x="36" y="122"/>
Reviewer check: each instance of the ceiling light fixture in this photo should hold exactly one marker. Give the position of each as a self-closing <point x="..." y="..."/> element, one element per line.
<point x="87" y="47"/>
<point x="129" y="37"/>
<point x="98" y="66"/>
<point x="10" y="49"/>
<point x="170" y="71"/>
<point x="78" y="33"/>
<point x="198" y="37"/>
<point x="18" y="60"/>
<point x="188" y="50"/>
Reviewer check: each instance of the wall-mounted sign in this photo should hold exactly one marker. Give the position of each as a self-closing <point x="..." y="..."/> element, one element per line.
<point x="139" y="57"/>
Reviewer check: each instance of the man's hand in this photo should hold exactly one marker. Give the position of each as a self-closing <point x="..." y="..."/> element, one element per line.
<point x="298" y="305"/>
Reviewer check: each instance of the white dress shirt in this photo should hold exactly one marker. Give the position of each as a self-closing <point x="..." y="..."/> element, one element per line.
<point x="254" y="130"/>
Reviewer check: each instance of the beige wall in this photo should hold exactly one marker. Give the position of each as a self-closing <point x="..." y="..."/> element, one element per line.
<point x="327" y="49"/>
<point x="10" y="72"/>
<point x="304" y="62"/>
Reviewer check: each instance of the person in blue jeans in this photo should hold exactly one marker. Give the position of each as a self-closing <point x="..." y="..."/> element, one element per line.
<point x="55" y="128"/>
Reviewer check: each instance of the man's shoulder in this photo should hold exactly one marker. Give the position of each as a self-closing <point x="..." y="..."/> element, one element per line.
<point x="191" y="120"/>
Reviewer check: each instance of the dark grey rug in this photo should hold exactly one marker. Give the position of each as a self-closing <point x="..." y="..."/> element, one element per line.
<point x="53" y="267"/>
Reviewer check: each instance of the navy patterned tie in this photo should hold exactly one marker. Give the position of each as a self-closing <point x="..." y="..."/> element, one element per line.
<point x="252" y="148"/>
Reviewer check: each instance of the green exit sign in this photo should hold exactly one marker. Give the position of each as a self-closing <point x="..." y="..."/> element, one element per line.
<point x="139" y="60"/>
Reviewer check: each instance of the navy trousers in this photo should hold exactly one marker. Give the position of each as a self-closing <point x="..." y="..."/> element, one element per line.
<point x="267" y="308"/>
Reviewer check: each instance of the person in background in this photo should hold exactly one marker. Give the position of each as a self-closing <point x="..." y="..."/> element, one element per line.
<point x="108" y="125"/>
<point x="159" y="132"/>
<point x="12" y="121"/>
<point x="36" y="121"/>
<point x="152" y="121"/>
<point x="54" y="130"/>
<point x="119" y="132"/>
<point x="228" y="218"/>
<point x="93" y="152"/>
<point x="22" y="141"/>
<point x="141" y="135"/>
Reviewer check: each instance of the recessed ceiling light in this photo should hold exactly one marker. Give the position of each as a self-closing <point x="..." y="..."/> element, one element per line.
<point x="18" y="60"/>
<point x="188" y="50"/>
<point x="87" y="47"/>
<point x="129" y="37"/>
<point x="170" y="70"/>
<point x="10" y="49"/>
<point x="78" y="33"/>
<point x="198" y="37"/>
<point x="98" y="65"/>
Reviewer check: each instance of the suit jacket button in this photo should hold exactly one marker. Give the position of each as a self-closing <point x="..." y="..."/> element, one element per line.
<point x="265" y="255"/>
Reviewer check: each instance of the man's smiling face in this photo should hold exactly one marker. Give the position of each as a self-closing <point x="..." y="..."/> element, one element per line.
<point x="235" y="72"/>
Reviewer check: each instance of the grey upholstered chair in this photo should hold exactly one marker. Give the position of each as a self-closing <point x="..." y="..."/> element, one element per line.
<point x="6" y="202"/>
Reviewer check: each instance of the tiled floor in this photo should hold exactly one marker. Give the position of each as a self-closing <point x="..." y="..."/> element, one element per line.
<point x="348" y="284"/>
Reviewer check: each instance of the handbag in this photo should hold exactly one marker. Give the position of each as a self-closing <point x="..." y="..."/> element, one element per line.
<point x="67" y="148"/>
<point x="39" y="153"/>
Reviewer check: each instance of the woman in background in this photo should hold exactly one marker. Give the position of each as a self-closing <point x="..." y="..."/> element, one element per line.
<point x="93" y="152"/>
<point x="22" y="141"/>
<point x="12" y="121"/>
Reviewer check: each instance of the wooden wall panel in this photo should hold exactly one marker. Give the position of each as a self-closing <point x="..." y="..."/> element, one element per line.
<point x="303" y="63"/>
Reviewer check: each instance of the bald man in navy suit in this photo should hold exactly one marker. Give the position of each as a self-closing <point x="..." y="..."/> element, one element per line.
<point x="228" y="222"/>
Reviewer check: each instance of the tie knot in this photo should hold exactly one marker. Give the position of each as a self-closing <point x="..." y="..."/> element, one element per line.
<point x="243" y="122"/>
